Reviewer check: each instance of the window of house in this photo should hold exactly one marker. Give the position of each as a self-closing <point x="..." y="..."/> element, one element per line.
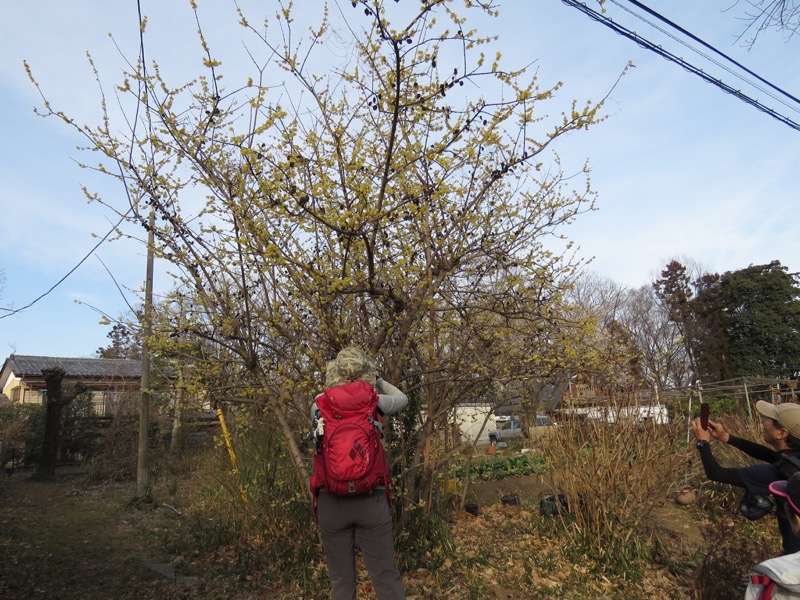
<point x="30" y="396"/>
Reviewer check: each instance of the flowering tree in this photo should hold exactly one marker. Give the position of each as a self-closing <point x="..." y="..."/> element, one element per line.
<point x="400" y="198"/>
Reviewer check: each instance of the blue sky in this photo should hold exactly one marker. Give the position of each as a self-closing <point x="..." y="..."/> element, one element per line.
<point x="681" y="168"/>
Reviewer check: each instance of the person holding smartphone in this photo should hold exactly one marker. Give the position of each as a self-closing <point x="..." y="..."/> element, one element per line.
<point x="780" y="426"/>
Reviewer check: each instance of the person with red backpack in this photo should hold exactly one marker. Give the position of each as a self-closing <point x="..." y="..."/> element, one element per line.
<point x="351" y="478"/>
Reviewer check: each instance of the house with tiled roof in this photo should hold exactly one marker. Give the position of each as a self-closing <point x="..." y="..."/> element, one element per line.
<point x="110" y="380"/>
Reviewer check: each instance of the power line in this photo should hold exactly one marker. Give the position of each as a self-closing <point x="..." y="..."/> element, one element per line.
<point x="713" y="49"/>
<point x="648" y="45"/>
<point x="70" y="272"/>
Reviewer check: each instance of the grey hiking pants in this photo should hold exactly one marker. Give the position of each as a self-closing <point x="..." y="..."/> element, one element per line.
<point x="364" y="521"/>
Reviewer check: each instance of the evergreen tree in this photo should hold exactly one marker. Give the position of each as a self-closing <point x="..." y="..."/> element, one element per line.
<point x="738" y="324"/>
<point x="763" y="311"/>
<point x="124" y="344"/>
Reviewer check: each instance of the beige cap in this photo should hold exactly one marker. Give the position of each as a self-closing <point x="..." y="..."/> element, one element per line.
<point x="788" y="415"/>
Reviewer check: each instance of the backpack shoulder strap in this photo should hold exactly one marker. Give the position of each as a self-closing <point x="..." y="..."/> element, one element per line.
<point x="789" y="464"/>
<point x="767" y="585"/>
<point x="783" y="572"/>
<point x="323" y="401"/>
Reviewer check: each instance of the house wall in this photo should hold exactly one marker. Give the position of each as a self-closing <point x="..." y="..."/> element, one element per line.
<point x="105" y="402"/>
<point x="10" y="384"/>
<point x="20" y="393"/>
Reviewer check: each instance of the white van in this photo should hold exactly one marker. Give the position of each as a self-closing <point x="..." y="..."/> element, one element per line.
<point x="476" y="422"/>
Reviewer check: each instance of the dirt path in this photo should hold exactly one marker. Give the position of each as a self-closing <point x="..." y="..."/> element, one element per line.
<point x="65" y="540"/>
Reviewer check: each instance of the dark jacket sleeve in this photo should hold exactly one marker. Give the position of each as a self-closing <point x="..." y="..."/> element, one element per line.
<point x="715" y="472"/>
<point x="753" y="449"/>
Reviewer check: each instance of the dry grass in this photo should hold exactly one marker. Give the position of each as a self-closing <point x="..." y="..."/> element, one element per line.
<point x="73" y="538"/>
<point x="614" y="477"/>
<point x="68" y="540"/>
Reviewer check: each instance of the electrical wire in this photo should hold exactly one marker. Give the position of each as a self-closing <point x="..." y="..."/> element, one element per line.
<point x="713" y="49"/>
<point x="12" y="312"/>
<point x="648" y="45"/>
<point x="70" y="272"/>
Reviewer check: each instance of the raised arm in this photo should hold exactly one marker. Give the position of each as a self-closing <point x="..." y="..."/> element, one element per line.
<point x="390" y="399"/>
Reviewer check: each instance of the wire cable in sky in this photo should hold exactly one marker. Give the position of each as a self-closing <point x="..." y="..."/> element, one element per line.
<point x="714" y="50"/>
<point x="648" y="45"/>
<point x="70" y="272"/>
<point x="11" y="312"/>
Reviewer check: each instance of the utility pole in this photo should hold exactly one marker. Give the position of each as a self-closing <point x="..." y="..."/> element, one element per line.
<point x="142" y="465"/>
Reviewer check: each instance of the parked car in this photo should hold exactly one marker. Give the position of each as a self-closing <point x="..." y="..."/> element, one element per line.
<point x="505" y="432"/>
<point x="544" y="427"/>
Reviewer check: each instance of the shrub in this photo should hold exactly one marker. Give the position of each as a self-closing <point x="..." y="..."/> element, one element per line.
<point x="733" y="549"/>
<point x="255" y="514"/>
<point x="502" y="467"/>
<point x="22" y="433"/>
<point x="115" y="457"/>
<point x="613" y="476"/>
<point x="80" y="435"/>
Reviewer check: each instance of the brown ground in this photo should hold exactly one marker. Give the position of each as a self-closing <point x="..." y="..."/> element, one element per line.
<point x="64" y="540"/>
<point x="69" y="540"/>
<point x="531" y="488"/>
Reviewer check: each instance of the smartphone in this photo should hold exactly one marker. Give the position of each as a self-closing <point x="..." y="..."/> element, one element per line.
<point x="704" y="410"/>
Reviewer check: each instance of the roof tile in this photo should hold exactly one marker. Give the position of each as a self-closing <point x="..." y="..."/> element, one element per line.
<point x="23" y="366"/>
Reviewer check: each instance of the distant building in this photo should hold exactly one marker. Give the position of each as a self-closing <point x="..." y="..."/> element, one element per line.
<point x="110" y="380"/>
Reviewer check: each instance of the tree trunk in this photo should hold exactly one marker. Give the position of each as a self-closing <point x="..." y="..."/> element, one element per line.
<point x="177" y="421"/>
<point x="54" y="406"/>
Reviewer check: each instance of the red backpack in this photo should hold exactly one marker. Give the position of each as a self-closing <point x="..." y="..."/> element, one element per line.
<point x="350" y="458"/>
